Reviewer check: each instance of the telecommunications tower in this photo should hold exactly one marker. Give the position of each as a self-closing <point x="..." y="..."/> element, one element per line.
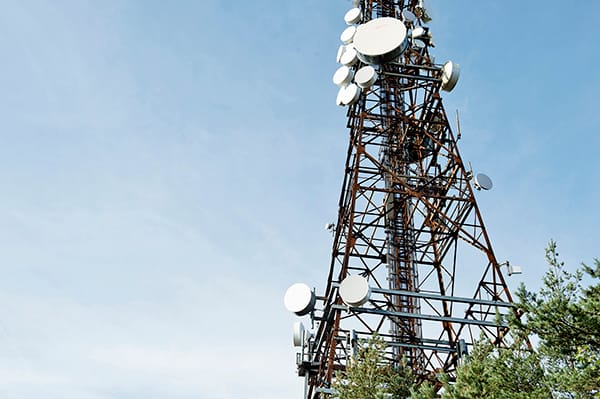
<point x="411" y="259"/>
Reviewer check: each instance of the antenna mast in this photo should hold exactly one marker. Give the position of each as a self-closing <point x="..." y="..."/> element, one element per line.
<point x="411" y="259"/>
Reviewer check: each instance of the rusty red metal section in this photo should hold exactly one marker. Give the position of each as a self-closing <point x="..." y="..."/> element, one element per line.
<point x="409" y="223"/>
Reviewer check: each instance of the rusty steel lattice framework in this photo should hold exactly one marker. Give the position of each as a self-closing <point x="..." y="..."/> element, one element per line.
<point x="408" y="222"/>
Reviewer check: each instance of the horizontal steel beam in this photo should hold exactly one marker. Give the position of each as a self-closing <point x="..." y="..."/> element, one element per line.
<point x="420" y="316"/>
<point x="422" y="347"/>
<point x="437" y="297"/>
<point x="415" y="77"/>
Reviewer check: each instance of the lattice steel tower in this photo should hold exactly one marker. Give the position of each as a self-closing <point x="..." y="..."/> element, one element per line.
<point x="411" y="260"/>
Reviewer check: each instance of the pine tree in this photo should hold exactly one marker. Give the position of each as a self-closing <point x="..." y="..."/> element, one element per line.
<point x="565" y="317"/>
<point x="370" y="376"/>
<point x="499" y="373"/>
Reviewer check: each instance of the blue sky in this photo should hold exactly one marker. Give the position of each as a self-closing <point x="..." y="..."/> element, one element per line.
<point x="167" y="170"/>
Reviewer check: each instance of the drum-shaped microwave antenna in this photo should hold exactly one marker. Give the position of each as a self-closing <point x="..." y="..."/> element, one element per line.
<point x="419" y="43"/>
<point x="349" y="57"/>
<point x="349" y="94"/>
<point x="299" y="299"/>
<point x="348" y="34"/>
<point x="450" y="75"/>
<point x="340" y="52"/>
<point x="418" y="32"/>
<point x="380" y="40"/>
<point x="409" y="16"/>
<point x="340" y="95"/>
<point x="355" y="290"/>
<point x="365" y="76"/>
<point x="353" y="16"/>
<point x="343" y="76"/>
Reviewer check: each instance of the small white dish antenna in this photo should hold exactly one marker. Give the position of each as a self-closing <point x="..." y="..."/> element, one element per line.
<point x="339" y="99"/>
<point x="349" y="95"/>
<point x="418" y="43"/>
<point x="353" y="16"/>
<point x="380" y="40"/>
<point x="343" y="76"/>
<point x="348" y="35"/>
<point x="418" y="32"/>
<point x="298" y="328"/>
<point x="450" y="75"/>
<point x="409" y="16"/>
<point x="349" y="57"/>
<point x="299" y="299"/>
<point x="340" y="52"/>
<point x="483" y="181"/>
<point x="355" y="290"/>
<point x="365" y="77"/>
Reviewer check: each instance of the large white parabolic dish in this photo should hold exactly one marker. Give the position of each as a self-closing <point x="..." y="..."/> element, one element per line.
<point x="380" y="40"/>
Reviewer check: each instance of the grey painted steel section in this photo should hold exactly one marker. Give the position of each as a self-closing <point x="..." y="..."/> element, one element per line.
<point x="422" y="316"/>
<point x="435" y="297"/>
<point x="444" y="297"/>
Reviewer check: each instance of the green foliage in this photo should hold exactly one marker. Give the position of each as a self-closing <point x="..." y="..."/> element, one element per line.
<point x="423" y="391"/>
<point x="369" y="376"/>
<point x="565" y="317"/>
<point x="499" y="373"/>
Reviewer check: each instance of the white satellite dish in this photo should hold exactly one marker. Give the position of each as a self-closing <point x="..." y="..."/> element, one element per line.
<point x="349" y="57"/>
<point x="483" y="181"/>
<point x="355" y="290"/>
<point x="418" y="43"/>
<point x="343" y="76"/>
<point x="350" y="94"/>
<point x="348" y="35"/>
<point x="299" y="299"/>
<point x="339" y="99"/>
<point x="298" y="333"/>
<point x="409" y="16"/>
<point x="418" y="32"/>
<point x="380" y="40"/>
<point x="450" y="75"/>
<point x="365" y="77"/>
<point x="353" y="16"/>
<point x="340" y="52"/>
